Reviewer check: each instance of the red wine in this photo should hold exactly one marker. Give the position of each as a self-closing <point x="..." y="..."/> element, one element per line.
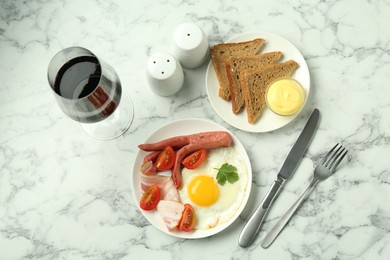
<point x="78" y="77"/>
<point x="86" y="88"/>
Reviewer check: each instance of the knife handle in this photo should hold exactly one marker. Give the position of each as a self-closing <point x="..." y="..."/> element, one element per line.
<point x="252" y="227"/>
<point x="275" y="231"/>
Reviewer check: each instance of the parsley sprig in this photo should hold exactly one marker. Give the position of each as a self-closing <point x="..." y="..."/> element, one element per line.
<point x="228" y="173"/>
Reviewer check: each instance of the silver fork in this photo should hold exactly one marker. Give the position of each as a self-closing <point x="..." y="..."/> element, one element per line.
<point x="325" y="168"/>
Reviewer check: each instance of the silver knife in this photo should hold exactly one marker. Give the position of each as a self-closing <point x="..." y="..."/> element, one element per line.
<point x="252" y="227"/>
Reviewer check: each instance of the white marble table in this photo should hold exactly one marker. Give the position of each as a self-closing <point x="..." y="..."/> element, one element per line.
<point x="64" y="195"/>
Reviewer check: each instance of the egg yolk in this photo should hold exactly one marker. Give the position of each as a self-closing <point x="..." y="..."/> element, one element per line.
<point x="203" y="190"/>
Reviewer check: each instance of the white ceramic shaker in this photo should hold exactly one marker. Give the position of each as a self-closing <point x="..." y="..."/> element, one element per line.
<point x="164" y="74"/>
<point x="190" y="45"/>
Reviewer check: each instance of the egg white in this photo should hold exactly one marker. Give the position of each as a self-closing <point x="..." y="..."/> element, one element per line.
<point x="230" y="195"/>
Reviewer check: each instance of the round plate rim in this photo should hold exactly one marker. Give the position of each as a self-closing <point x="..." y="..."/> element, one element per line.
<point x="240" y="121"/>
<point x="212" y="126"/>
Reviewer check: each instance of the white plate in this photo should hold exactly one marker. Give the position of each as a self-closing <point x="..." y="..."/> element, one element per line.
<point x="184" y="127"/>
<point x="268" y="121"/>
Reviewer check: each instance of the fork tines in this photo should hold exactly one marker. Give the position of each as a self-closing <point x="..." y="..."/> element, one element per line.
<point x="335" y="157"/>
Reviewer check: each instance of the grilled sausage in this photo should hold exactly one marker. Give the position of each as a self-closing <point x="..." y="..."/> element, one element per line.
<point x="188" y="144"/>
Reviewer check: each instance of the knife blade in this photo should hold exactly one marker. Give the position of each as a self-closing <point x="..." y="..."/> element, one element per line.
<point x="253" y="225"/>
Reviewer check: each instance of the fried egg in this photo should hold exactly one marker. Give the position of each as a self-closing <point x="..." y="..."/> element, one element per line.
<point x="214" y="204"/>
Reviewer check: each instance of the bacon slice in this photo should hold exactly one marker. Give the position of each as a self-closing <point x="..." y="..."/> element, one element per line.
<point x="171" y="212"/>
<point x="169" y="192"/>
<point x="149" y="180"/>
<point x="148" y="168"/>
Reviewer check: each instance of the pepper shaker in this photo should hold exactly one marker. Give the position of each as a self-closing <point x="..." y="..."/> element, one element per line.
<point x="190" y="45"/>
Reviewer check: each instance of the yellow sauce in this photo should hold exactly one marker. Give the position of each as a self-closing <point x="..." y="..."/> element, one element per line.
<point x="285" y="96"/>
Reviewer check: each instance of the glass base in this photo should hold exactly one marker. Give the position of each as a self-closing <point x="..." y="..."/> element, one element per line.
<point x="115" y="125"/>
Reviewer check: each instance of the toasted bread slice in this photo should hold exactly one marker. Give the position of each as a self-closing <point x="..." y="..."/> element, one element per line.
<point x="220" y="52"/>
<point x="234" y="66"/>
<point x="255" y="82"/>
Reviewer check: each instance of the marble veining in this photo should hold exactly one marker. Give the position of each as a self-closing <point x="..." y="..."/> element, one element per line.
<point x="64" y="195"/>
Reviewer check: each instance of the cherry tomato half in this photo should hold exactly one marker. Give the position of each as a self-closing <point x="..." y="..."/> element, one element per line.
<point x="195" y="159"/>
<point x="188" y="219"/>
<point x="150" y="198"/>
<point x="166" y="159"/>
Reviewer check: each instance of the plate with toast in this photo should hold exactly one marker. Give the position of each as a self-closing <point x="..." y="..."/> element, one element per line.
<point x="239" y="73"/>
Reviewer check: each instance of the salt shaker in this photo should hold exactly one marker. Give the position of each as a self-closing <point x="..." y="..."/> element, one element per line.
<point x="190" y="45"/>
<point x="164" y="74"/>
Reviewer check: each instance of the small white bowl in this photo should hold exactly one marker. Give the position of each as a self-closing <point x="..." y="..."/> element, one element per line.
<point x="288" y="94"/>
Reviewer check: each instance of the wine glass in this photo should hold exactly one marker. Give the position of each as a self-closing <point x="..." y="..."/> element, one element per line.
<point x="89" y="91"/>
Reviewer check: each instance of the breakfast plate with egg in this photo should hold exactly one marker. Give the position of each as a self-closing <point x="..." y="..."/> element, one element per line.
<point x="217" y="205"/>
<point x="268" y="120"/>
